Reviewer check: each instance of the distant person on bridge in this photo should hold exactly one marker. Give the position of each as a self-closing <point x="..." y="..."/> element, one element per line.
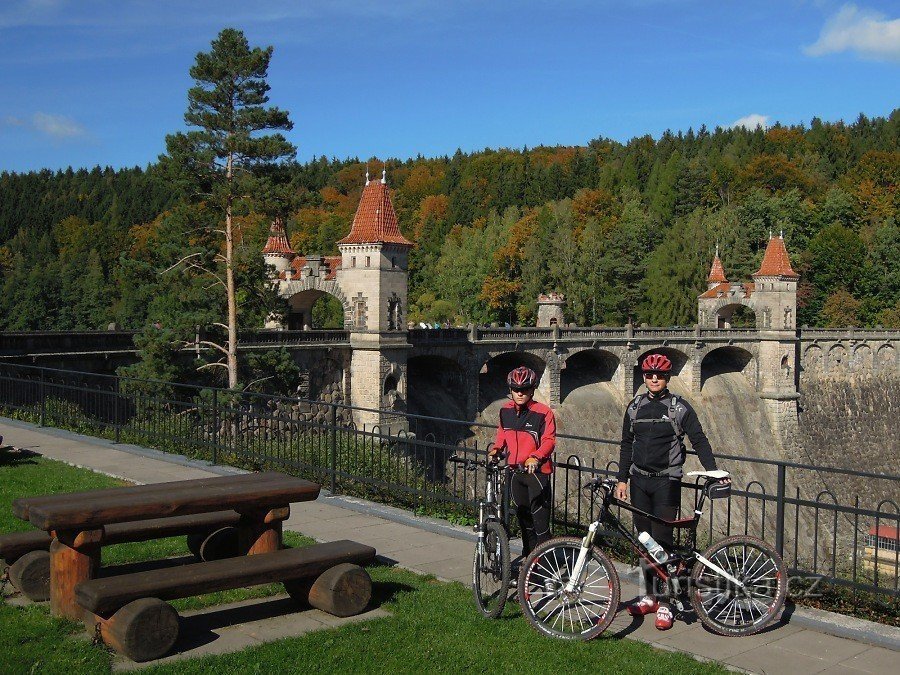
<point x="526" y="437"/>
<point x="652" y="455"/>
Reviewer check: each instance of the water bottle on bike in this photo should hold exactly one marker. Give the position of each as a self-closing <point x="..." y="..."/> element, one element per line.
<point x="656" y="551"/>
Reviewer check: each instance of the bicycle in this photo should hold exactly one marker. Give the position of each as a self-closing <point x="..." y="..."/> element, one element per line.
<point x="569" y="588"/>
<point x="491" y="566"/>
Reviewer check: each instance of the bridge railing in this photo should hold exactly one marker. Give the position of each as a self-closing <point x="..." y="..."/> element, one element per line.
<point x="830" y="523"/>
<point x="55" y="342"/>
<point x="268" y="337"/>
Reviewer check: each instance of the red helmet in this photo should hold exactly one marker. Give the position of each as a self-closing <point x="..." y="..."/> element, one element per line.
<point x="521" y="378"/>
<point x="658" y="363"/>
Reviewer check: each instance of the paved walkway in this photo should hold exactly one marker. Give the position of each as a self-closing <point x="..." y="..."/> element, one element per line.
<point x="798" y="645"/>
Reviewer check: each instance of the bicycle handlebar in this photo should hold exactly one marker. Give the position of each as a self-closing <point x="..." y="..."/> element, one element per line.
<point x="472" y="464"/>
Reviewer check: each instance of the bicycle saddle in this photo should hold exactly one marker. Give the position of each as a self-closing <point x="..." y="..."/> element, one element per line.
<point x="716" y="475"/>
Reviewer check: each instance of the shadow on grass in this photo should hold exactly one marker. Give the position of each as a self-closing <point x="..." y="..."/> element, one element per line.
<point x="10" y="456"/>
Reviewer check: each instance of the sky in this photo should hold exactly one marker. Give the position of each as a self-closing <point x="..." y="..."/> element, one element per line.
<point x="101" y="82"/>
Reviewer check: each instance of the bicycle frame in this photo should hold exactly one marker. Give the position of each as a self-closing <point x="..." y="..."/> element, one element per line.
<point x="685" y="554"/>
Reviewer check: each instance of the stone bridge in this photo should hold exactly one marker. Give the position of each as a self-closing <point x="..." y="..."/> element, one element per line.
<point x="776" y="363"/>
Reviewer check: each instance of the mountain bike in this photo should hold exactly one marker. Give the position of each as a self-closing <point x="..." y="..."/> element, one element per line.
<point x="491" y="566"/>
<point x="569" y="588"/>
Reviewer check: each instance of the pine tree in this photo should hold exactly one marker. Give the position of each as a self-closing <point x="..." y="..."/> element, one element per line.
<point x="222" y="161"/>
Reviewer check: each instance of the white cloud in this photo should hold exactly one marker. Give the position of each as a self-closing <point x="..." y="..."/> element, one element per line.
<point x="58" y="127"/>
<point x="751" y="121"/>
<point x="868" y="33"/>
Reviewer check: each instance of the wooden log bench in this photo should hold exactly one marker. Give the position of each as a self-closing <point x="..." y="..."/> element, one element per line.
<point x="79" y="522"/>
<point x="133" y="618"/>
<point x="210" y="536"/>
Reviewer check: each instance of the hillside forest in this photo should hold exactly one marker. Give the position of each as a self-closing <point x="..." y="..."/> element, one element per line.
<point x="623" y="230"/>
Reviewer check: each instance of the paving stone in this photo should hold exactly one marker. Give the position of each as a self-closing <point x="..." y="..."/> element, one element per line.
<point x="873" y="660"/>
<point x="236" y="626"/>
<point x="819" y="645"/>
<point x="774" y="659"/>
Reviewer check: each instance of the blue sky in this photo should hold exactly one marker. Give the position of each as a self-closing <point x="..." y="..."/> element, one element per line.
<point x="87" y="82"/>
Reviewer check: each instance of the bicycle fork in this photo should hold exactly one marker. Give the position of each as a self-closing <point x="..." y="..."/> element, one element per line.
<point x="577" y="577"/>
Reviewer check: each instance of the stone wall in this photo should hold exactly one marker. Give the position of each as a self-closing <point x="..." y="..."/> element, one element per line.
<point x="851" y="422"/>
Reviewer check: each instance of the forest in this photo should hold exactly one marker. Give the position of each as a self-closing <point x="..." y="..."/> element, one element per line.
<point x="625" y="231"/>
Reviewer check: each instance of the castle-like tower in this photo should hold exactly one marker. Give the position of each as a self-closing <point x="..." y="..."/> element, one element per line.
<point x="772" y="295"/>
<point x="369" y="278"/>
<point x="373" y="277"/>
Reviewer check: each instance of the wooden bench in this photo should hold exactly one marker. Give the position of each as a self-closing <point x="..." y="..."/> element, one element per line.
<point x="210" y="536"/>
<point x="79" y="522"/>
<point x="135" y="620"/>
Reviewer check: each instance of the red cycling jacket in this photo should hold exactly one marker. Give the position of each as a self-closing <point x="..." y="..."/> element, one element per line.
<point x="527" y="432"/>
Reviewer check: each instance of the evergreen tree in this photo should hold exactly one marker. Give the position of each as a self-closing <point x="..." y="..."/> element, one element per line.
<point x="222" y="160"/>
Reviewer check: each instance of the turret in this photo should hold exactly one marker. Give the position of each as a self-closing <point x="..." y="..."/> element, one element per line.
<point x="716" y="273"/>
<point x="277" y="252"/>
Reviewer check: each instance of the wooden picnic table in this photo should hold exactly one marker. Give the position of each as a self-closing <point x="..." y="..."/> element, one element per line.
<point x="77" y="521"/>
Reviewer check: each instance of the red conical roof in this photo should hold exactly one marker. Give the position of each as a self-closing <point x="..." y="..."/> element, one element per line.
<point x="717" y="272"/>
<point x="375" y="221"/>
<point x="776" y="262"/>
<point x="277" y="243"/>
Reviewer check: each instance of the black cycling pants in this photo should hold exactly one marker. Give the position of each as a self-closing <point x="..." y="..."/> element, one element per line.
<point x="661" y="497"/>
<point x="531" y="496"/>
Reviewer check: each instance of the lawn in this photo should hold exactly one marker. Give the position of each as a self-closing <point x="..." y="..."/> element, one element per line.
<point x="432" y="625"/>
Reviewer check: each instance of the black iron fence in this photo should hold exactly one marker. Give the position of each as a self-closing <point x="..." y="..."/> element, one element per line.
<point x="835" y="524"/>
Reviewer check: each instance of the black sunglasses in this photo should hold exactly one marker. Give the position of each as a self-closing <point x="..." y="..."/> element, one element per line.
<point x="519" y="390"/>
<point x="658" y="373"/>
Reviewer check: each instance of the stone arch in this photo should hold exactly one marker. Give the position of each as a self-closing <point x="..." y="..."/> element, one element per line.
<point x="586" y="367"/>
<point x="837" y="360"/>
<point x="302" y="294"/>
<point x="813" y="364"/>
<point x="729" y="359"/>
<point x="492" y="377"/>
<point x="885" y="360"/>
<point x="861" y="360"/>
<point x="680" y="369"/>
<point x="723" y="311"/>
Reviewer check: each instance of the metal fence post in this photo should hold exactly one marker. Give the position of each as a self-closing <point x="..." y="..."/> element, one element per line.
<point x="117" y="409"/>
<point x="215" y="430"/>
<point x="41" y="395"/>
<point x="333" y="448"/>
<point x="779" y="510"/>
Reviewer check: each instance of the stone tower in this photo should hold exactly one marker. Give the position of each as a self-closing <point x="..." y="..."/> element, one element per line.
<point x="773" y="297"/>
<point x="775" y="294"/>
<point x="550" y="310"/>
<point x="373" y="277"/>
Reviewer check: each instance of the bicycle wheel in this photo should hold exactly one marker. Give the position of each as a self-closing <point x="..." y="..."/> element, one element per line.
<point x="580" y="615"/>
<point x="491" y="571"/>
<point x="728" y="609"/>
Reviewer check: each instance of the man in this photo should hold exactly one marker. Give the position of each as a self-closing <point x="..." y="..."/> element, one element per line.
<point x="651" y="456"/>
<point x="526" y="436"/>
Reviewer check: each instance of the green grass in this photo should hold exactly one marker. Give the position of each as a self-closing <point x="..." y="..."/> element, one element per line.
<point x="432" y="627"/>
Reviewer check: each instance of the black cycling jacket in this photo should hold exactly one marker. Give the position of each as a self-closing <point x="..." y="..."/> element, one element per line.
<point x="653" y="446"/>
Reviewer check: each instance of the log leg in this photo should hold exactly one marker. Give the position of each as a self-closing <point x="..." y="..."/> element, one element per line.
<point x="30" y="574"/>
<point x="69" y="567"/>
<point x="261" y="532"/>
<point x="343" y="590"/>
<point x="142" y="630"/>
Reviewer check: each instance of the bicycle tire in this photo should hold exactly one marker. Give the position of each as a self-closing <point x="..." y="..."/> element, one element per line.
<point x="491" y="571"/>
<point x="728" y="611"/>
<point x="542" y="583"/>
